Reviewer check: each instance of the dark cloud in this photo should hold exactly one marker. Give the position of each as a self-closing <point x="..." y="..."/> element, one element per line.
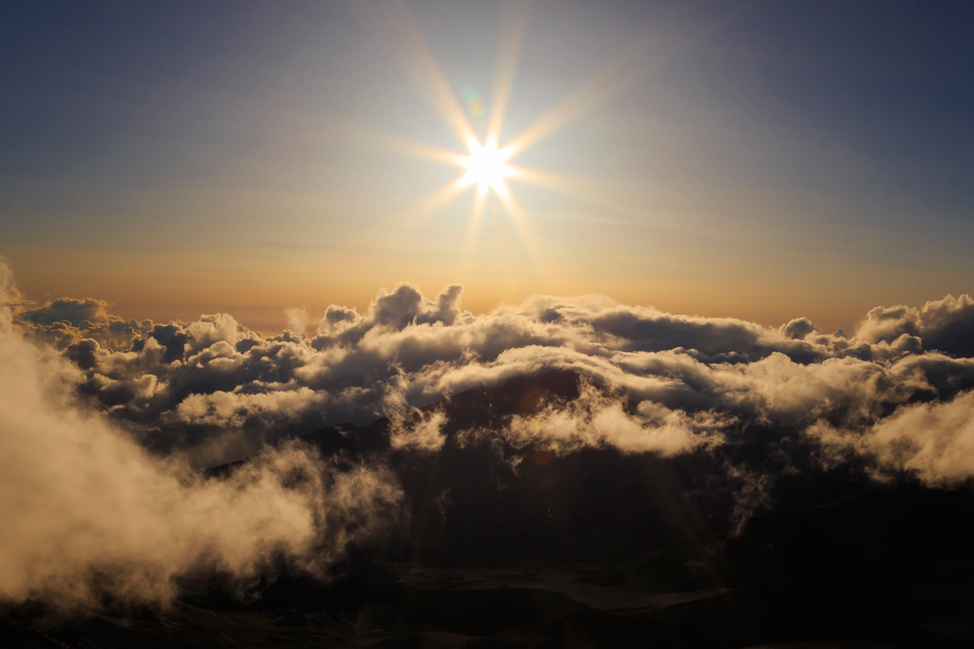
<point x="68" y="310"/>
<point x="66" y="321"/>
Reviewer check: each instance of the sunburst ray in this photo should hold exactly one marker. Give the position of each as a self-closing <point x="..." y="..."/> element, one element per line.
<point x="513" y="25"/>
<point x="487" y="162"/>
<point x="476" y="217"/>
<point x="516" y="215"/>
<point x="622" y="71"/>
<point x="401" y="30"/>
<point x="593" y="192"/>
<point x="408" y="147"/>
<point x="630" y="63"/>
<point x="425" y="207"/>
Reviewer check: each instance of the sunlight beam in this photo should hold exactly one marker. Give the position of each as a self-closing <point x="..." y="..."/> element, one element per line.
<point x="425" y="207"/>
<point x="409" y="147"/>
<point x="515" y="213"/>
<point x="400" y="28"/>
<point x="623" y="70"/>
<point x="476" y="217"/>
<point x="513" y="25"/>
<point x="592" y="192"/>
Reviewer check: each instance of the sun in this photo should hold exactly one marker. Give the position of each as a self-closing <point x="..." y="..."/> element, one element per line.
<point x="486" y="165"/>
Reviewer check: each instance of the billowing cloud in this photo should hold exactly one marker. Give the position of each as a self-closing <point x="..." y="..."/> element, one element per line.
<point x="596" y="420"/>
<point x="942" y="325"/>
<point x="933" y="441"/>
<point x="99" y="391"/>
<point x="66" y="321"/>
<point x="68" y="310"/>
<point x="183" y="384"/>
<point x="87" y="511"/>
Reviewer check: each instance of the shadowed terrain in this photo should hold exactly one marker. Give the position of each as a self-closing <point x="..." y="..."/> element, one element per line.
<point x="525" y="547"/>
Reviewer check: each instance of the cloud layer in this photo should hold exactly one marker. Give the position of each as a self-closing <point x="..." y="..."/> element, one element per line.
<point x="87" y="512"/>
<point x="103" y="418"/>
<point x="681" y="381"/>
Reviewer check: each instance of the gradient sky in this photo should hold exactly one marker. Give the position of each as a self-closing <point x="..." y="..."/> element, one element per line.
<point x="763" y="160"/>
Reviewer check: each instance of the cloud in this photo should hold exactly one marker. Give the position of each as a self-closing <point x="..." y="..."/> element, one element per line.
<point x="422" y="431"/>
<point x="86" y="510"/>
<point x="798" y="329"/>
<point x="893" y="396"/>
<point x="6" y="297"/>
<point x="180" y="385"/>
<point x="598" y="420"/>
<point x="751" y="492"/>
<point x="67" y="310"/>
<point x="942" y="325"/>
<point x="297" y="319"/>
<point x="933" y="441"/>
<point x="66" y="321"/>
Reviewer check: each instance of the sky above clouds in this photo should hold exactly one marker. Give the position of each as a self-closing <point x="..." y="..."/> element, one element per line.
<point x="763" y="161"/>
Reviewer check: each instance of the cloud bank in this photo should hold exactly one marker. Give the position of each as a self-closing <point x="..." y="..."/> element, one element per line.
<point x="678" y="382"/>
<point x="103" y="418"/>
<point x="87" y="512"/>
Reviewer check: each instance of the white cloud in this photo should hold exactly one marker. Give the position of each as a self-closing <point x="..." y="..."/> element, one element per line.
<point x="933" y="441"/>
<point x="80" y="499"/>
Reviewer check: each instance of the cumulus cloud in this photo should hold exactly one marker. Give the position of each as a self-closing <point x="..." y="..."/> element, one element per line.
<point x="68" y="310"/>
<point x="67" y="321"/>
<point x="752" y="491"/>
<point x="297" y="319"/>
<point x="943" y="325"/>
<point x="651" y="381"/>
<point x="597" y="420"/>
<point x="933" y="441"/>
<point x="181" y="383"/>
<point x="87" y="511"/>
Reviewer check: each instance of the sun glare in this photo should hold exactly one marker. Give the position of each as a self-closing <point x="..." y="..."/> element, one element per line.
<point x="486" y="165"/>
